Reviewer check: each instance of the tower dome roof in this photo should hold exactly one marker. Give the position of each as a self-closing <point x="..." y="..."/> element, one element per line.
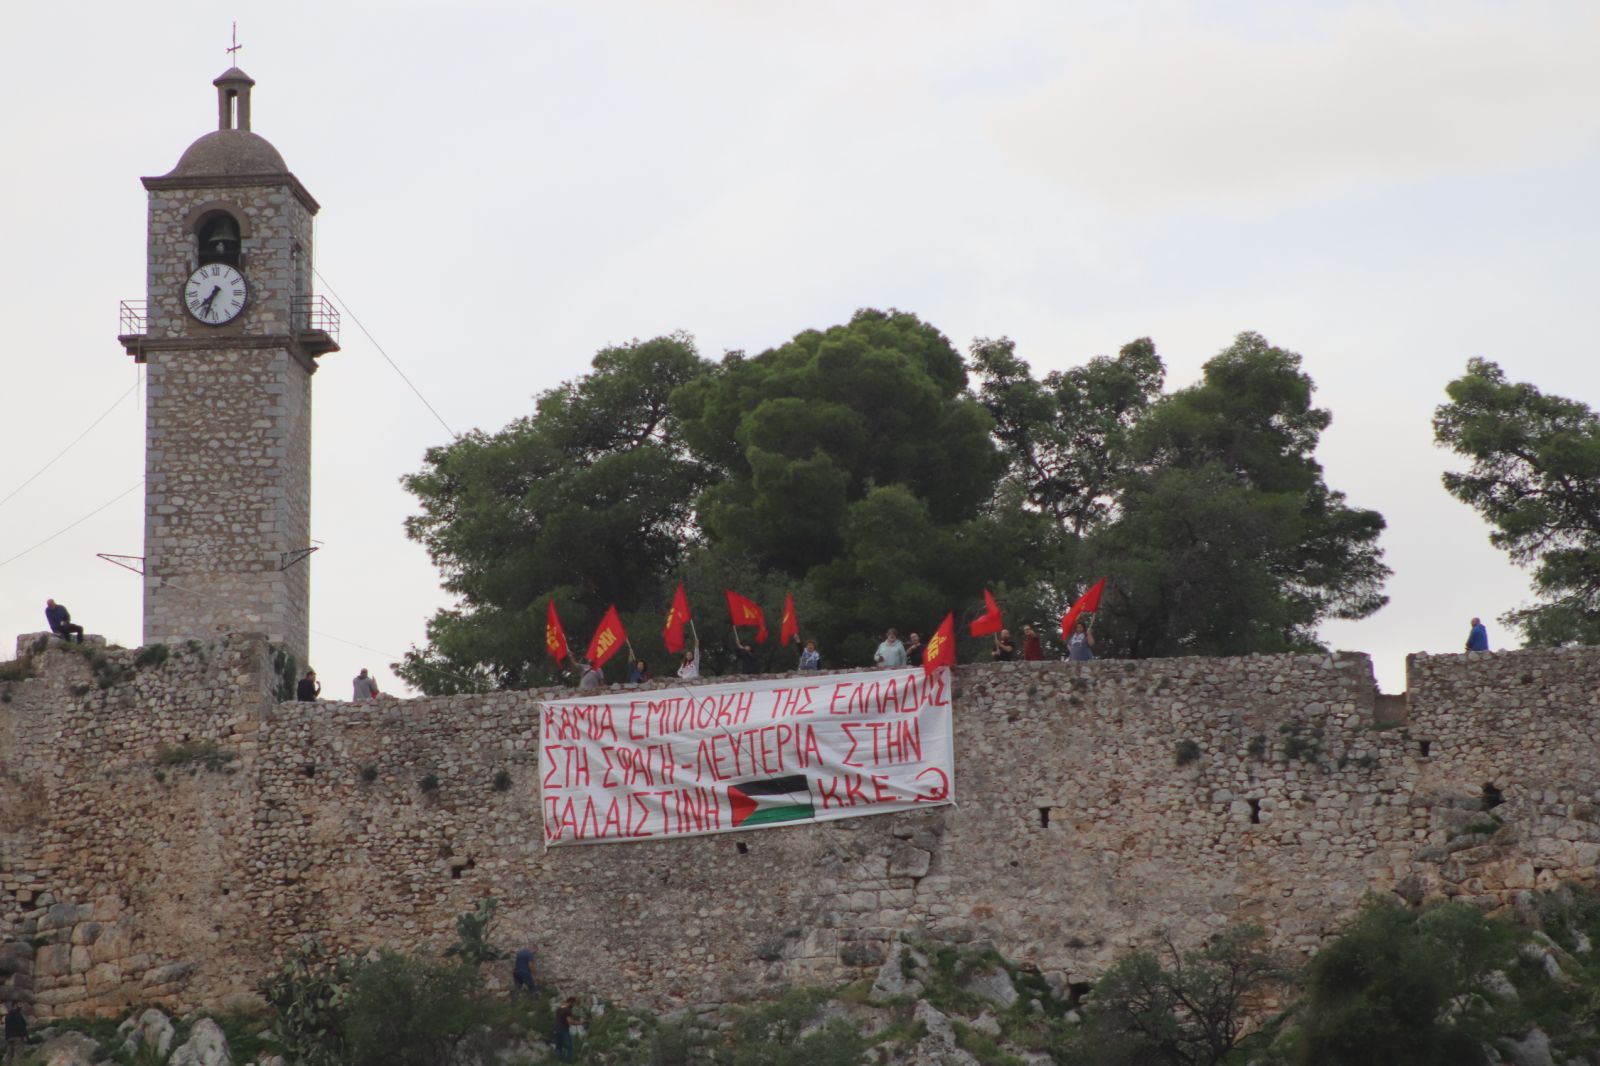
<point x="229" y="152"/>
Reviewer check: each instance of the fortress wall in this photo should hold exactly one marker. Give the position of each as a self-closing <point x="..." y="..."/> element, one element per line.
<point x="1099" y="805"/>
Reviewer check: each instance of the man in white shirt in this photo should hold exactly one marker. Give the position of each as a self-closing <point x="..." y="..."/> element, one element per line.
<point x="891" y="653"/>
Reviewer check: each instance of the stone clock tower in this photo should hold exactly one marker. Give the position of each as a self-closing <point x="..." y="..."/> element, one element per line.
<point x="230" y="335"/>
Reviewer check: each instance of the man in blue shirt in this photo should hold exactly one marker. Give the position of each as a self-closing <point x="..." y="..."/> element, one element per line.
<point x="522" y="973"/>
<point x="1478" y="639"/>
<point x="60" y="620"/>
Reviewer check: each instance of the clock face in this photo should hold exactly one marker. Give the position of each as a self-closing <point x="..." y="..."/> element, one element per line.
<point x="215" y="294"/>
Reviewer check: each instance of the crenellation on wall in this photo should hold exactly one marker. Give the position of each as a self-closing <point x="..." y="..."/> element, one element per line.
<point x="168" y="829"/>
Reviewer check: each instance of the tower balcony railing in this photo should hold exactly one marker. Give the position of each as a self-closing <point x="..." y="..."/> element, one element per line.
<point x="133" y="318"/>
<point x="316" y="324"/>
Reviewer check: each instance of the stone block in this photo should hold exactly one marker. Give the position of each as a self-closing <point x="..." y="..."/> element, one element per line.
<point x="54" y="960"/>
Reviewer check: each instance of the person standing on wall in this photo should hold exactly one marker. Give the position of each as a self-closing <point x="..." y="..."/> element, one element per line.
<point x="308" y="688"/>
<point x="1032" y="649"/>
<point x="914" y="649"/>
<point x="1478" y="636"/>
<point x="1080" y="647"/>
<point x="60" y="620"/>
<point x="891" y="654"/>
<point x="744" y="656"/>
<point x="810" y="659"/>
<point x="365" y="686"/>
<point x="691" y="662"/>
<point x="1005" y="649"/>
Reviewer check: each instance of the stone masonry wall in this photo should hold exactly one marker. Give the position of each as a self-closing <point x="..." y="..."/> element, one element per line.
<point x="166" y="830"/>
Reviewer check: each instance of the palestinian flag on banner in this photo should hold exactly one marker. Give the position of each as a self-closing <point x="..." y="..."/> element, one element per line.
<point x="771" y="799"/>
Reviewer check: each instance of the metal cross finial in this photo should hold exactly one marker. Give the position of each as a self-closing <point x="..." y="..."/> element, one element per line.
<point x="236" y="44"/>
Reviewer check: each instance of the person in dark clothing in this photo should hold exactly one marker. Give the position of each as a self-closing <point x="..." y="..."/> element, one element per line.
<point x="1005" y="648"/>
<point x="1478" y="636"/>
<point x="60" y="620"/>
<point x="914" y="650"/>
<point x="638" y="672"/>
<point x="566" y="1017"/>
<point x="308" y="688"/>
<point x="744" y="658"/>
<point x="522" y="973"/>
<point x="16" y="1035"/>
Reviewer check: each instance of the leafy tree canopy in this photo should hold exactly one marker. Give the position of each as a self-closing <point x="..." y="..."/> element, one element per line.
<point x="591" y="498"/>
<point x="804" y="431"/>
<point x="1226" y="538"/>
<point x="1535" y="477"/>
<point x="856" y="468"/>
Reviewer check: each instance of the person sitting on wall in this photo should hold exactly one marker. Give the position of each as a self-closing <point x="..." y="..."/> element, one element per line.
<point x="1478" y="637"/>
<point x="60" y="620"/>
<point x="638" y="672"/>
<point x="308" y="688"/>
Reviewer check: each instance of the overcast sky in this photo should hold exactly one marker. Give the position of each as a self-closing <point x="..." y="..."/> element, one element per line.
<point x="1388" y="189"/>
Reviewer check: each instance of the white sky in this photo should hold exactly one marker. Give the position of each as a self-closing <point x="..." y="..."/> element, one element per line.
<point x="1388" y="189"/>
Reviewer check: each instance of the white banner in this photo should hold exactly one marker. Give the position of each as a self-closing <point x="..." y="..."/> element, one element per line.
<point x="669" y="762"/>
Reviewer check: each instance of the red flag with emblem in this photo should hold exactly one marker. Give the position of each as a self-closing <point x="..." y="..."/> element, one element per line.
<point x="608" y="639"/>
<point x="1088" y="603"/>
<point x="941" y="647"/>
<point x="990" y="622"/>
<point x="791" y="625"/>
<point x="744" y="612"/>
<point x="555" y="638"/>
<point x="677" y="618"/>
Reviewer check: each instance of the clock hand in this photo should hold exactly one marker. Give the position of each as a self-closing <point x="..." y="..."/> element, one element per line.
<point x="205" y="305"/>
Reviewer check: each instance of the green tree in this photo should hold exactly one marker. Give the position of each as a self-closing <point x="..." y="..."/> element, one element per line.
<point x="804" y="431"/>
<point x="1393" y="988"/>
<point x="858" y="470"/>
<point x="589" y="500"/>
<point x="1177" y="1008"/>
<point x="1065" y="437"/>
<point x="409" y="1010"/>
<point x="1535" y="477"/>
<point x="1226" y="540"/>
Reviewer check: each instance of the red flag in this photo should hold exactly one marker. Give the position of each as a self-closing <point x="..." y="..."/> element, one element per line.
<point x="990" y="622"/>
<point x="941" y="647"/>
<point x="744" y="612"/>
<point x="555" y="638"/>
<point x="677" y="618"/>
<point x="791" y="624"/>
<point x="1088" y="603"/>
<point x="608" y="639"/>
